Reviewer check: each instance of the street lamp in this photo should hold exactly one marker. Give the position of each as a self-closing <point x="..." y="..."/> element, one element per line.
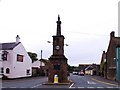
<point x="41" y="53"/>
<point x="52" y="43"/>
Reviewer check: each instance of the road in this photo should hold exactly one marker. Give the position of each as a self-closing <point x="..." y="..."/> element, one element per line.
<point x="78" y="82"/>
<point x="91" y="82"/>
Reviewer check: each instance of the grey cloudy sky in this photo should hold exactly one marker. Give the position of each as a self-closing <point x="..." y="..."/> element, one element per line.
<point x="86" y="25"/>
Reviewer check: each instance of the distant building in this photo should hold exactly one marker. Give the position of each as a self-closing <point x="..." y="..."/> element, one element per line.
<point x="15" y="61"/>
<point x="44" y="66"/>
<point x="90" y="68"/>
<point x="103" y="67"/>
<point x="40" y="67"/>
<point x="111" y="56"/>
<point x="36" y="68"/>
<point x="83" y="66"/>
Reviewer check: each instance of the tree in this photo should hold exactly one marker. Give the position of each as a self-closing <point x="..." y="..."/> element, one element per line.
<point x="33" y="56"/>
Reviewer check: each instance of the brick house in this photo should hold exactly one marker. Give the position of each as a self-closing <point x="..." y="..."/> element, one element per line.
<point x="111" y="56"/>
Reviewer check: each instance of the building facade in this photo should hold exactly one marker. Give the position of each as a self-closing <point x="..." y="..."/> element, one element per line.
<point x="111" y="56"/>
<point x="103" y="67"/>
<point x="15" y="61"/>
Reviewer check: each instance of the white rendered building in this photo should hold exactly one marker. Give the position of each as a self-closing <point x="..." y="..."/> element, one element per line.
<point x="14" y="60"/>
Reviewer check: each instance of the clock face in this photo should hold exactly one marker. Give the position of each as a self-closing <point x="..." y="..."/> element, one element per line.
<point x="57" y="47"/>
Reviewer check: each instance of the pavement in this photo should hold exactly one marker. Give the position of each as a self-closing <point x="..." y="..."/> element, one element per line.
<point x="105" y="81"/>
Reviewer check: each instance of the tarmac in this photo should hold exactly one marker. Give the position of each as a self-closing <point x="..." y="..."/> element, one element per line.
<point x="106" y="81"/>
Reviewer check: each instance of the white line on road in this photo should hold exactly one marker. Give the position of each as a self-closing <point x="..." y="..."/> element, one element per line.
<point x="36" y="85"/>
<point x="71" y="85"/>
<point x="81" y="87"/>
<point x="110" y="87"/>
<point x="90" y="87"/>
<point x="99" y="87"/>
<point x="89" y="82"/>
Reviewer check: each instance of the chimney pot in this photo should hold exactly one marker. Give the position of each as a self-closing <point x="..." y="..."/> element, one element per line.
<point x="17" y="39"/>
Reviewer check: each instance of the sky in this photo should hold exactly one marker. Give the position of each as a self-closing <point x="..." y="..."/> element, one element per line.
<point x="86" y="25"/>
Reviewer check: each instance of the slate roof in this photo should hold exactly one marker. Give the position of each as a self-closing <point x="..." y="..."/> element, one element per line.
<point x="89" y="68"/>
<point x="8" y="46"/>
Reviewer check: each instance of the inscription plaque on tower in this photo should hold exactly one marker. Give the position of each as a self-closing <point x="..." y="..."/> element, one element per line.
<point x="58" y="62"/>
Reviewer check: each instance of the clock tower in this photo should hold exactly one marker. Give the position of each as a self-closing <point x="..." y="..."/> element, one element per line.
<point x="58" y="62"/>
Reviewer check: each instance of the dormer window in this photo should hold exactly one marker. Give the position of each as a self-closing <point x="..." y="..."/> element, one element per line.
<point x="4" y="55"/>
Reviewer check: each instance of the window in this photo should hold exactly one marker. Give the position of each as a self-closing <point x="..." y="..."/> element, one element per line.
<point x="1" y="70"/>
<point x="19" y="58"/>
<point x="4" y="55"/>
<point x="7" y="71"/>
<point x="28" y="71"/>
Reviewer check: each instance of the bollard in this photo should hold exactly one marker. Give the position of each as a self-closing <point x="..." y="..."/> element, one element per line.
<point x="55" y="78"/>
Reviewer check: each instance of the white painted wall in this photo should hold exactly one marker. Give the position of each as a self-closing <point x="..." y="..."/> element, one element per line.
<point x="8" y="63"/>
<point x="20" y="68"/>
<point x="17" y="69"/>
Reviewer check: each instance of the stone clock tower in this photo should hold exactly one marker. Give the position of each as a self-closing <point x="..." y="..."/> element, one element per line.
<point x="58" y="62"/>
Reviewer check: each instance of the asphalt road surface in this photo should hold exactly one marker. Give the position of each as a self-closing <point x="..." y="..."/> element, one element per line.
<point x="91" y="82"/>
<point x="78" y="82"/>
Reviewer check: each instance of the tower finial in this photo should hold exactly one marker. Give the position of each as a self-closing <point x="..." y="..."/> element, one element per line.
<point x="58" y="17"/>
<point x="58" y="26"/>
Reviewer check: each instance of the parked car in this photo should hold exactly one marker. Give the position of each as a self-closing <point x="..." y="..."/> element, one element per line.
<point x="75" y="73"/>
<point x="81" y="73"/>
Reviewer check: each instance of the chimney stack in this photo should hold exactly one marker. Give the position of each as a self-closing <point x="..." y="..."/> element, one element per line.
<point x="112" y="34"/>
<point x="103" y="52"/>
<point x="17" y="39"/>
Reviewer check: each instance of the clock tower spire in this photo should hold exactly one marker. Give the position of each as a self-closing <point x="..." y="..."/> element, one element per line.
<point x="58" y="26"/>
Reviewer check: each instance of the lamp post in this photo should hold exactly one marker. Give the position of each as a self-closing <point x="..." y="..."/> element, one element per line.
<point x="41" y="53"/>
<point x="52" y="43"/>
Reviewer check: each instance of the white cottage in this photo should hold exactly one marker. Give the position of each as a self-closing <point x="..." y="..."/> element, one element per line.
<point x="15" y="61"/>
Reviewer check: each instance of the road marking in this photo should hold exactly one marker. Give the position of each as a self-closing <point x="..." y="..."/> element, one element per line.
<point x="104" y="82"/>
<point x="36" y="85"/>
<point x="90" y="87"/>
<point x="89" y="82"/>
<point x="71" y="85"/>
<point x="109" y="87"/>
<point x="99" y="87"/>
<point x="81" y="87"/>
